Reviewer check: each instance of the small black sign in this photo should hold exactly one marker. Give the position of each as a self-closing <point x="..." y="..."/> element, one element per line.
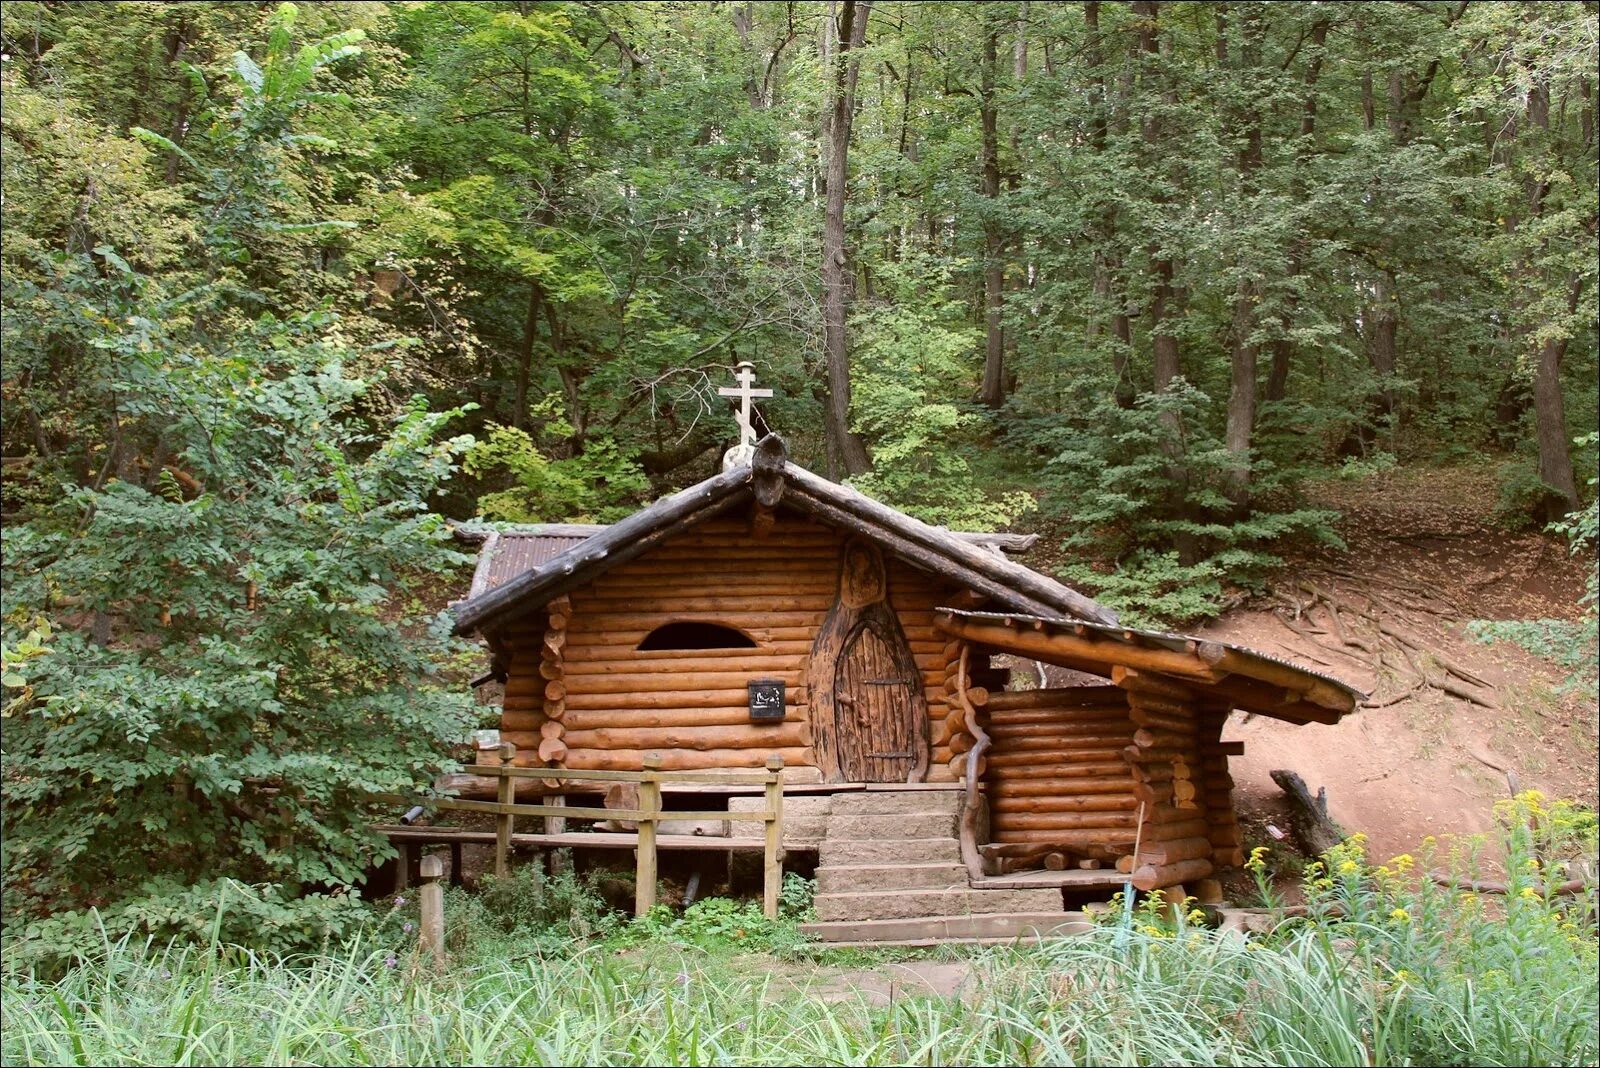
<point x="766" y="699"/>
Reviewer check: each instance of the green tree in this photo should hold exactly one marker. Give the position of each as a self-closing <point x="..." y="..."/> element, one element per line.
<point x="228" y="660"/>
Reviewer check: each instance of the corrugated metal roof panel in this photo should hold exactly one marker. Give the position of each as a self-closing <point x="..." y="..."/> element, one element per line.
<point x="509" y="552"/>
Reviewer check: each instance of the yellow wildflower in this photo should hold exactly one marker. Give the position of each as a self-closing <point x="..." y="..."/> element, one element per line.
<point x="1349" y="867"/>
<point x="1529" y="893"/>
<point x="1404" y="862"/>
<point x="1399" y="915"/>
<point x="1258" y="859"/>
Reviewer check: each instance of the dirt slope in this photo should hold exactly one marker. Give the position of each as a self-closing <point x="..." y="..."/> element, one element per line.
<point x="1454" y="716"/>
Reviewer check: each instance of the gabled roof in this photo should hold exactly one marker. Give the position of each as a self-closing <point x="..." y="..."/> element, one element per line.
<point x="1247" y="679"/>
<point x="506" y="550"/>
<point x="769" y="479"/>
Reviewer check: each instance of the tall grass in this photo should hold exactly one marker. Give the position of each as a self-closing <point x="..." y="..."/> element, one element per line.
<point x="1106" y="998"/>
<point x="1388" y="968"/>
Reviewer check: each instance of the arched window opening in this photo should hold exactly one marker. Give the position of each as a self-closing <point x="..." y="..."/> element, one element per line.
<point x="696" y="635"/>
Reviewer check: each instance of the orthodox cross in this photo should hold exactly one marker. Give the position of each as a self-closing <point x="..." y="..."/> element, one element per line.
<point x="746" y="392"/>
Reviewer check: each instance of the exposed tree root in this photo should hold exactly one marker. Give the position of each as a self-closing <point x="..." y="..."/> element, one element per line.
<point x="1370" y="629"/>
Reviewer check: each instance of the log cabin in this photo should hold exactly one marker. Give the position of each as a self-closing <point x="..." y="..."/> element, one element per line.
<point x="767" y="610"/>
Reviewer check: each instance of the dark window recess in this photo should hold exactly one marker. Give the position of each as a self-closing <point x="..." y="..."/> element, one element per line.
<point x="696" y="636"/>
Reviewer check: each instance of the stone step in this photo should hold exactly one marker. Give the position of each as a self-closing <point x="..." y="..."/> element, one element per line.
<point x="998" y="925"/>
<point x="881" y="802"/>
<point x="848" y="878"/>
<point x="910" y="904"/>
<point x="930" y="943"/>
<point x="836" y="852"/>
<point x="898" y="824"/>
<point x="805" y="819"/>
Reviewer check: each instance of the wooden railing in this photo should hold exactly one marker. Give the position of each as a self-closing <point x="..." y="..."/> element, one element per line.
<point x="648" y="815"/>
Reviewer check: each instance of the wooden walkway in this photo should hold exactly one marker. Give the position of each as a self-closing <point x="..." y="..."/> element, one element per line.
<point x="1077" y="879"/>
<point x="581" y="839"/>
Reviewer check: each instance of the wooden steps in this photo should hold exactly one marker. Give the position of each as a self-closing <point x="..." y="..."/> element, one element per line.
<point x="994" y="927"/>
<point x="890" y="873"/>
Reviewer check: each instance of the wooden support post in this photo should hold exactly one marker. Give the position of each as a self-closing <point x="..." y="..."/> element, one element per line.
<point x="431" y="897"/>
<point x="773" y="871"/>
<point x="504" y="821"/>
<point x="644" y="895"/>
<point x="402" y="866"/>
<point x="556" y="825"/>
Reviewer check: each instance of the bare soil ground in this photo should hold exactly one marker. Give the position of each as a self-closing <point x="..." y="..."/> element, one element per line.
<point x="1455" y="722"/>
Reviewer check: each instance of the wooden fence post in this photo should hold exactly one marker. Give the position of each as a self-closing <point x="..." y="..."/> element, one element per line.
<point x="503" y="820"/>
<point x="773" y="873"/>
<point x="644" y="895"/>
<point x="431" y="897"/>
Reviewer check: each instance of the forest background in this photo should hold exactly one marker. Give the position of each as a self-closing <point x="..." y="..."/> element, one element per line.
<point x="285" y="288"/>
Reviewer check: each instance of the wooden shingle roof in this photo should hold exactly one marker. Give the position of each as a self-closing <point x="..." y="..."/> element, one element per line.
<point x="972" y="562"/>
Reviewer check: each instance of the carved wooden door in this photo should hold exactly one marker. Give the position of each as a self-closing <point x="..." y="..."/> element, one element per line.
<point x="876" y="711"/>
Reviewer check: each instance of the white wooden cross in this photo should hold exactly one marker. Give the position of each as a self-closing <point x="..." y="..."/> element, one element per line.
<point x="746" y="392"/>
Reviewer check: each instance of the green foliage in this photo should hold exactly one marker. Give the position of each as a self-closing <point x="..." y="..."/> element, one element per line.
<point x="525" y="909"/>
<point x="1385" y="970"/>
<point x="600" y="484"/>
<point x="211" y="912"/>
<point x="1354" y="469"/>
<point x="1521" y="495"/>
<point x="209" y="674"/>
<point x="915" y="359"/>
<point x="796" y="898"/>
<point x="1131" y="483"/>
<point x="715" y="923"/>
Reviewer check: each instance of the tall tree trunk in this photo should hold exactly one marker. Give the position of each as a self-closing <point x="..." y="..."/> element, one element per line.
<point x="846" y="451"/>
<point x="993" y="390"/>
<point x="530" y="335"/>
<point x="1383" y="319"/>
<point x="1242" y="386"/>
<point x="1550" y="420"/>
<point x="1107" y="263"/>
<point x="1164" y="298"/>
<point x="1282" y="347"/>
<point x="1549" y="407"/>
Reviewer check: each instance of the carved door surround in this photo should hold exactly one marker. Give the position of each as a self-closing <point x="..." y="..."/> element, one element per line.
<point x="869" y="717"/>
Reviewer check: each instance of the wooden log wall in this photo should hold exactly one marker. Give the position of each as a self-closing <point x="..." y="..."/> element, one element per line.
<point x="1227" y="845"/>
<point x="948" y="734"/>
<point x="1169" y="770"/>
<point x="598" y="702"/>
<point x="1056" y="771"/>
<point x="533" y="714"/>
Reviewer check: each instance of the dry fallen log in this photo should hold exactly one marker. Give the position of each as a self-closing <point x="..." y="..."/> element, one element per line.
<point x="1491" y="886"/>
<point x="1315" y="829"/>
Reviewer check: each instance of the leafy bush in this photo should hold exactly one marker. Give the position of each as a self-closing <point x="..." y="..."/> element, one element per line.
<point x="528" y="908"/>
<point x="1521" y="495"/>
<point x="1356" y="468"/>
<point x="715" y="922"/>
<point x="797" y="898"/>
